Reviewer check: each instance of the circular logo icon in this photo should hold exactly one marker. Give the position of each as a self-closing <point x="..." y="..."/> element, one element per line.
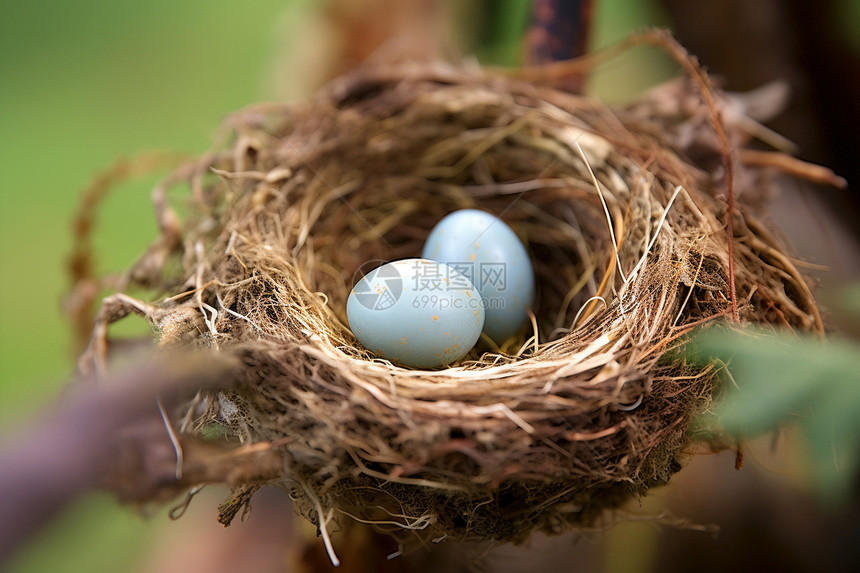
<point x="380" y="288"/>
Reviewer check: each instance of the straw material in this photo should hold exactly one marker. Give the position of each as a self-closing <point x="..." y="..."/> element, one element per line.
<point x="623" y="213"/>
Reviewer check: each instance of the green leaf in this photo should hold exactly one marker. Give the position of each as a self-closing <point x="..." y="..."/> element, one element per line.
<point x="776" y="377"/>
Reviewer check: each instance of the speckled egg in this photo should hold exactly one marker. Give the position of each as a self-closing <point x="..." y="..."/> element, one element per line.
<point x="416" y="312"/>
<point x="489" y="253"/>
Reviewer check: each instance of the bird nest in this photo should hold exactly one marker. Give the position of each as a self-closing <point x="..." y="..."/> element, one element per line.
<point x="624" y="214"/>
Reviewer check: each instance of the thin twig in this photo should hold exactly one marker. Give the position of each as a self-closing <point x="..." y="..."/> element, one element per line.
<point x="174" y="439"/>
<point x="694" y="70"/>
<point x="792" y="166"/>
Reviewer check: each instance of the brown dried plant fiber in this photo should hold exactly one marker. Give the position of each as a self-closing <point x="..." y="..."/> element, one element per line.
<point x="623" y="212"/>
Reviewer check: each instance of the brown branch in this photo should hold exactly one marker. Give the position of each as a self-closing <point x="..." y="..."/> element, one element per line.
<point x="72" y="449"/>
<point x="559" y="31"/>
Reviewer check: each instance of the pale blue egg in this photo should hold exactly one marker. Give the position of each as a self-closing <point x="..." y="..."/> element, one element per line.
<point x="489" y="253"/>
<point x="416" y="312"/>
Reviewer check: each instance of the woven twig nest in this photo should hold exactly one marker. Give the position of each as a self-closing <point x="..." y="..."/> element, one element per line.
<point x="623" y="213"/>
